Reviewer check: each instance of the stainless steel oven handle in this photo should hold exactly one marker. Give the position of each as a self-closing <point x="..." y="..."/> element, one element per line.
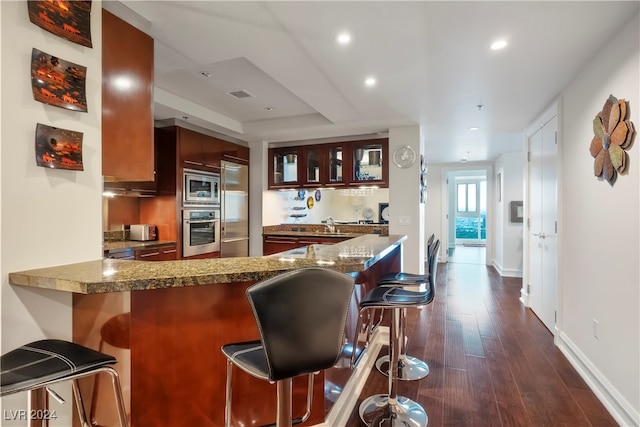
<point x="203" y="221"/>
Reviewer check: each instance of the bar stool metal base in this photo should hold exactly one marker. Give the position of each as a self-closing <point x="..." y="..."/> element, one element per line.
<point x="409" y="368"/>
<point x="375" y="411"/>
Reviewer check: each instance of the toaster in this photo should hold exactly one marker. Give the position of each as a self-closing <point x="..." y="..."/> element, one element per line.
<point x="143" y="232"/>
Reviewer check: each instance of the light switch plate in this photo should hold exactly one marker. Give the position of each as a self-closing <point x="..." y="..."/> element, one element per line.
<point x="404" y="220"/>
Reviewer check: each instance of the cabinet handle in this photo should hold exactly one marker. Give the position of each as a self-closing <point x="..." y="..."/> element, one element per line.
<point x="280" y="241"/>
<point x="234" y="157"/>
<point x="150" y="254"/>
<point x="192" y="162"/>
<point x="170" y="251"/>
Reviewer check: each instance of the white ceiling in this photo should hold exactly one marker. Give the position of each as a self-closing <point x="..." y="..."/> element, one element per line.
<point x="431" y="59"/>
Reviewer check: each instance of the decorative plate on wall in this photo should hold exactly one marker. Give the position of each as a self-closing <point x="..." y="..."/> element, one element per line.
<point x="404" y="156"/>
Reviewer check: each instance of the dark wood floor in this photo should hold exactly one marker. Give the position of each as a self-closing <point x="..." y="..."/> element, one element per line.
<point x="493" y="363"/>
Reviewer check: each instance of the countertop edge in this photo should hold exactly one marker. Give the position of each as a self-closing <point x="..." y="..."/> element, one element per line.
<point x="112" y="275"/>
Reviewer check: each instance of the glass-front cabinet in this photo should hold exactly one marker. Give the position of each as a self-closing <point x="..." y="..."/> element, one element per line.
<point x="336" y="166"/>
<point x="368" y="166"/>
<point x="312" y="156"/>
<point x="343" y="164"/>
<point x="284" y="168"/>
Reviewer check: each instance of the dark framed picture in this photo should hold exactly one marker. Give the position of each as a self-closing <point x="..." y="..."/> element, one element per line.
<point x="70" y="20"/>
<point x="517" y="211"/>
<point x="57" y="82"/>
<point x="58" y="148"/>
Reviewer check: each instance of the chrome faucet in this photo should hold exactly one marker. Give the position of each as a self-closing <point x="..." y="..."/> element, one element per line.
<point x="331" y="227"/>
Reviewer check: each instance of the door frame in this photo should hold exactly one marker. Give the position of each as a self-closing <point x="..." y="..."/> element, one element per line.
<point x="555" y="109"/>
<point x="444" y="226"/>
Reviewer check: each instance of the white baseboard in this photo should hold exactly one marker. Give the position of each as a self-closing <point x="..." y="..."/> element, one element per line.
<point x="615" y="403"/>
<point x="342" y="408"/>
<point x="506" y="272"/>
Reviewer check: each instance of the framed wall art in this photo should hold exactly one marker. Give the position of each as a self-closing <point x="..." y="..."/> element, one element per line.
<point x="516" y="211"/>
<point x="67" y="19"/>
<point x="58" y="148"/>
<point x="57" y="82"/>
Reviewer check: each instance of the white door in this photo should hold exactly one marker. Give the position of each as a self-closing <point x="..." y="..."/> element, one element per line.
<point x="543" y="223"/>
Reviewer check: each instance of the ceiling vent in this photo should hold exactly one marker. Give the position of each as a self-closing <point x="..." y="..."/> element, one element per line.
<point x="240" y="94"/>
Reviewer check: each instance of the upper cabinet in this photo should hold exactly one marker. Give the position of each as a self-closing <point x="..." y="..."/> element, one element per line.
<point x="127" y="101"/>
<point x="369" y="165"/>
<point x="285" y="170"/>
<point x="343" y="164"/>
<point x="178" y="148"/>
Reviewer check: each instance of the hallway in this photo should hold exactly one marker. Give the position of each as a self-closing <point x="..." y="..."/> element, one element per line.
<point x="468" y="255"/>
<point x="492" y="362"/>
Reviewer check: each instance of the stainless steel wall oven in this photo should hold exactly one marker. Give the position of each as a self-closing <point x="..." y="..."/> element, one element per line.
<point x="200" y="231"/>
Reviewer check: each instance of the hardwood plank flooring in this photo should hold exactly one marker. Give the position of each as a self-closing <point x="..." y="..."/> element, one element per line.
<point x="492" y="362"/>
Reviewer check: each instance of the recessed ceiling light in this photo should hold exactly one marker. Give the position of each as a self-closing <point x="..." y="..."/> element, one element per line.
<point x="474" y="128"/>
<point x="206" y="74"/>
<point x="343" y="38"/>
<point x="499" y="44"/>
<point x="269" y="108"/>
<point x="370" y="81"/>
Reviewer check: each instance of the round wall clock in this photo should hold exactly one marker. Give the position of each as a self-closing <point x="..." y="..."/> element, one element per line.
<point x="404" y="156"/>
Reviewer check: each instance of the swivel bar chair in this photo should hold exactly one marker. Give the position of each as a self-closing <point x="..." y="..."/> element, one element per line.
<point x="411" y="368"/>
<point x="301" y="317"/>
<point x="40" y="364"/>
<point x="391" y="409"/>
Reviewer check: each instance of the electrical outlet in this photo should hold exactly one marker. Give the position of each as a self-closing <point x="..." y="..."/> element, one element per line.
<point x="404" y="220"/>
<point x="595" y="329"/>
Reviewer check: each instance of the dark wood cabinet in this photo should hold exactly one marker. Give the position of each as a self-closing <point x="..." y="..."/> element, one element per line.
<point x="368" y="162"/>
<point x="233" y="152"/>
<point x="285" y="167"/>
<point x="275" y="244"/>
<point x="343" y="164"/>
<point x="168" y="253"/>
<point x="199" y="151"/>
<point x="165" y="253"/>
<point x="127" y="101"/>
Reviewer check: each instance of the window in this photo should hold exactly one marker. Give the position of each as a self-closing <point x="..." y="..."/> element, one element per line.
<point x="467" y="197"/>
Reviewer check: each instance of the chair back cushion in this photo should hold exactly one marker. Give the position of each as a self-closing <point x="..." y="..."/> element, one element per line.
<point x="301" y="316"/>
<point x="433" y="267"/>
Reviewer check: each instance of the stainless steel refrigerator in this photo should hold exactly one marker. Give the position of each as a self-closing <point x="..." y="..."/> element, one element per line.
<point x="234" y="206"/>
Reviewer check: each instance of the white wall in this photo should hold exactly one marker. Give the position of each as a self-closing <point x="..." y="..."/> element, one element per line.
<point x="257" y="188"/>
<point x="599" y="228"/>
<point x="433" y="207"/>
<point x="406" y="213"/>
<point x="49" y="217"/>
<point x="508" y="235"/>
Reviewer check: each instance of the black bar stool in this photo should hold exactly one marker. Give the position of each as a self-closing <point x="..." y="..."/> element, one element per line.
<point x="391" y="409"/>
<point x="301" y="317"/>
<point x="410" y="368"/>
<point x="39" y="364"/>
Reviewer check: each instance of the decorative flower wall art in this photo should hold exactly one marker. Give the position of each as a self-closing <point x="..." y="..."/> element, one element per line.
<point x="67" y="19"/>
<point x="613" y="135"/>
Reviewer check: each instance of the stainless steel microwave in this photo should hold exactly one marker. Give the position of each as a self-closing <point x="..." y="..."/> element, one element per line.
<point x="201" y="188"/>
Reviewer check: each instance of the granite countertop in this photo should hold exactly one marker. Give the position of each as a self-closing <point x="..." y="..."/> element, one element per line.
<point x="124" y="245"/>
<point x="287" y="233"/>
<point x="112" y="275"/>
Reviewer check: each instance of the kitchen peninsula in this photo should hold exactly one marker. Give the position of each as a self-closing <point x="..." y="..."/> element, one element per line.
<point x="166" y="321"/>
